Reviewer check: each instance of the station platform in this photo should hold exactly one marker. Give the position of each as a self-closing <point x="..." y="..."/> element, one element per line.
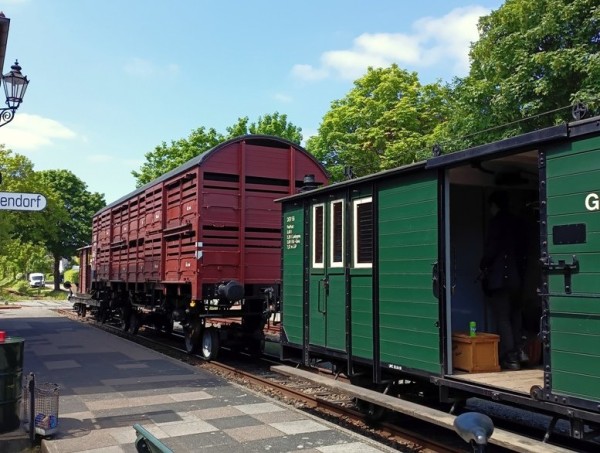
<point x="108" y="384"/>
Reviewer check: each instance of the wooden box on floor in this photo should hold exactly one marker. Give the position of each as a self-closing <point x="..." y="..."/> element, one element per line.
<point x="476" y="354"/>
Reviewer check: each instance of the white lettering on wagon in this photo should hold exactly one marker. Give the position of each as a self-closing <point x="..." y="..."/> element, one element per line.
<point x="592" y="202"/>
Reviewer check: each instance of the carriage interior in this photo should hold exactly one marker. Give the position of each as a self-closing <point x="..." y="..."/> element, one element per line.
<point x="469" y="187"/>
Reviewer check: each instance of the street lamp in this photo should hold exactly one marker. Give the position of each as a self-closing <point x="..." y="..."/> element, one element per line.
<point x="15" y="83"/>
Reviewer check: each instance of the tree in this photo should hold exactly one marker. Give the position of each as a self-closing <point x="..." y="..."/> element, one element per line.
<point x="24" y="257"/>
<point x="166" y="157"/>
<point x="75" y="230"/>
<point x="531" y="58"/>
<point x="274" y="124"/>
<point x="384" y="121"/>
<point x="26" y="226"/>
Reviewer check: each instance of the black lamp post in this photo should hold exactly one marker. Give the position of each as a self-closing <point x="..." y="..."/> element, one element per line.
<point x="15" y="85"/>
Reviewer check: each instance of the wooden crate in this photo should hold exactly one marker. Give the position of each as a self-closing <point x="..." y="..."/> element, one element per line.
<point x="475" y="354"/>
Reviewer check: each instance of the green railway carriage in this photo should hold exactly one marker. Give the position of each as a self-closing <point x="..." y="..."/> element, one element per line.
<point x="380" y="273"/>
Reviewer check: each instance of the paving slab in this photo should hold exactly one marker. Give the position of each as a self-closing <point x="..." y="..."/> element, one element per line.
<point x="108" y="384"/>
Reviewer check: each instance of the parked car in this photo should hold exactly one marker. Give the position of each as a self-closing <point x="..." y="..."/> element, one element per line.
<point x="36" y="280"/>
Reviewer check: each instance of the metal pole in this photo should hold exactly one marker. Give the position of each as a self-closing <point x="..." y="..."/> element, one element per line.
<point x="31" y="408"/>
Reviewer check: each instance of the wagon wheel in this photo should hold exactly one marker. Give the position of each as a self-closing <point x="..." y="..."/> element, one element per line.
<point x="372" y="412"/>
<point x="192" y="336"/>
<point x="104" y="314"/>
<point x="210" y="344"/>
<point x="135" y="321"/>
<point x="164" y="324"/>
<point x="257" y="343"/>
<point x="125" y="318"/>
<point x="167" y="326"/>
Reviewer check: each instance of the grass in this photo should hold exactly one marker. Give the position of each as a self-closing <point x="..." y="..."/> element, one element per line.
<point x="15" y="290"/>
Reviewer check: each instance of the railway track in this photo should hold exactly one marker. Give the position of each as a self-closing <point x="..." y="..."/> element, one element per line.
<point x="400" y="433"/>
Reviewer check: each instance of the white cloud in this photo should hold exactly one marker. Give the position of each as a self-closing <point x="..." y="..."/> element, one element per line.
<point x="139" y="67"/>
<point x="31" y="132"/>
<point x="434" y="40"/>
<point x="307" y="72"/>
<point x="281" y="97"/>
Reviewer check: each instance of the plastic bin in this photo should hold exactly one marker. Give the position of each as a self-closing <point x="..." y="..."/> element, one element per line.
<point x="46" y="408"/>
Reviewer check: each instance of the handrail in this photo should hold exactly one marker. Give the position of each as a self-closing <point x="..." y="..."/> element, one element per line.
<point x="145" y="442"/>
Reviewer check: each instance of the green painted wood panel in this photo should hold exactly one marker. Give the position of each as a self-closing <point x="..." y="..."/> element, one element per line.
<point x="293" y="273"/>
<point x="573" y="172"/>
<point x="362" y="315"/>
<point x="316" y="320"/>
<point x="408" y="247"/>
<point x="336" y="310"/>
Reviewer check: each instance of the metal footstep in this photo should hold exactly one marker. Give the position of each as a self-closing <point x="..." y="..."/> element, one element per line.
<point x="145" y="442"/>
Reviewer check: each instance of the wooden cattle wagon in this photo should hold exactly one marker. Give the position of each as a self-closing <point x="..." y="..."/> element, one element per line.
<point x="202" y="241"/>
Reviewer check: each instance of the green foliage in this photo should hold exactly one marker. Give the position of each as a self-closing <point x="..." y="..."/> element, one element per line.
<point x="386" y="120"/>
<point x="72" y="276"/>
<point x="167" y="157"/>
<point x="274" y="124"/>
<point x="75" y="229"/>
<point x="17" y="176"/>
<point x="531" y="58"/>
<point x="22" y="258"/>
<point x="21" y="287"/>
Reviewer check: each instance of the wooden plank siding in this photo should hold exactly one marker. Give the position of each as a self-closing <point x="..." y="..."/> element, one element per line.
<point x="572" y="172"/>
<point x="293" y="274"/>
<point x="408" y="246"/>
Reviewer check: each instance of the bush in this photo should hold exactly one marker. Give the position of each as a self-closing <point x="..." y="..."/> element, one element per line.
<point x="72" y="276"/>
<point x="21" y="287"/>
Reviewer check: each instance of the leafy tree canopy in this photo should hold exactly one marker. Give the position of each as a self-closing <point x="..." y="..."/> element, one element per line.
<point x="274" y="124"/>
<point x="23" y="257"/>
<point x="75" y="229"/>
<point x="531" y="58"/>
<point x="18" y="175"/>
<point x="384" y="121"/>
<point x="166" y="157"/>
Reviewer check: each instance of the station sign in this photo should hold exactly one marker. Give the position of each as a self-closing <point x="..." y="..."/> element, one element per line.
<point x="17" y="201"/>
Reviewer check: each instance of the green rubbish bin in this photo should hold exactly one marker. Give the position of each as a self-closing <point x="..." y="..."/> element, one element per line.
<point x="11" y="374"/>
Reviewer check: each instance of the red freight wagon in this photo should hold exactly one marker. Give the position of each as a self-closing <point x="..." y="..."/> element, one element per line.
<point x="202" y="241"/>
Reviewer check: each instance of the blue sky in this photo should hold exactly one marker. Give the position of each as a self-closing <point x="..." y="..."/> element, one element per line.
<point x="112" y="79"/>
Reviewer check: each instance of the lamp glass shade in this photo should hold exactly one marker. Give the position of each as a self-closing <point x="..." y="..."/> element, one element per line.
<point x="15" y="85"/>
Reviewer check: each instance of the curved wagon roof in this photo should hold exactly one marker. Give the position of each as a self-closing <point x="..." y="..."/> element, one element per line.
<point x="264" y="140"/>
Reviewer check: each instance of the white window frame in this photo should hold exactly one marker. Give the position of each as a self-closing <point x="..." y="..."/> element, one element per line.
<point x="332" y="231"/>
<point x="320" y="265"/>
<point x="355" y="205"/>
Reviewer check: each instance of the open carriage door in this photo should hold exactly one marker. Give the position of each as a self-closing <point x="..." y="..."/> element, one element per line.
<point x="570" y="246"/>
<point x="408" y="250"/>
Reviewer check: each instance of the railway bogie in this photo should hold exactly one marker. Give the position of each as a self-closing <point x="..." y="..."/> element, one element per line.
<point x="197" y="245"/>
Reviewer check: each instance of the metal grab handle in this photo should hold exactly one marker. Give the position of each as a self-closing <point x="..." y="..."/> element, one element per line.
<point x="325" y="283"/>
<point x="435" y="280"/>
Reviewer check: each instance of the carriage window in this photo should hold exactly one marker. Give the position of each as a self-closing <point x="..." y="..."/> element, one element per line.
<point x="363" y="232"/>
<point x="318" y="235"/>
<point x="337" y="233"/>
